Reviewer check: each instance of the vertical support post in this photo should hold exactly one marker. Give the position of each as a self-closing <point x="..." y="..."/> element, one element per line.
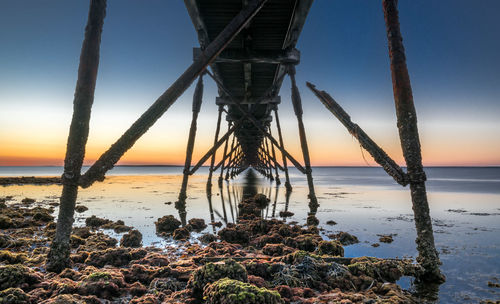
<point x="224" y="157"/>
<point x="297" y="107"/>
<point x="58" y="257"/>
<point x="410" y="143"/>
<point x="278" y="182"/>
<point x="212" y="160"/>
<point x="231" y="157"/>
<point x="197" y="99"/>
<point x="288" y="186"/>
<point x="268" y="159"/>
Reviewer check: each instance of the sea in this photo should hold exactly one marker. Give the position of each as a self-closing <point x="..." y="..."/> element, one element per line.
<point x="364" y="201"/>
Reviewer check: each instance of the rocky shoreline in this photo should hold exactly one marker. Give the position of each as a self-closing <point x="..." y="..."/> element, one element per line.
<point x="253" y="261"/>
<point x="24" y="180"/>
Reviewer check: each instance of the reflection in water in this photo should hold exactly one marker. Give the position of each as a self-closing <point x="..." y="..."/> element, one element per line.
<point x="362" y="201"/>
<point x="250" y="184"/>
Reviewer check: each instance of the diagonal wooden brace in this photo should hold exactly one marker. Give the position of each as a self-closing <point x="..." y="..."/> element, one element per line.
<point x="366" y="142"/>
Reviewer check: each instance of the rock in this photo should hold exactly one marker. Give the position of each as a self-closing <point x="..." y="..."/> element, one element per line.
<point x="212" y="272"/>
<point x="115" y="256"/>
<point x="99" y="241"/>
<point x="17" y="276"/>
<point x="43" y="216"/>
<point x="28" y="201"/>
<point x="102" y="284"/>
<point x="236" y="292"/>
<point x="96" y="222"/>
<point x="261" y="200"/>
<point x="207" y="238"/>
<point x="330" y="248"/>
<point x="12" y="258"/>
<point x="5" y="222"/>
<point x="273" y="249"/>
<point x="181" y="234"/>
<point x="234" y="236"/>
<point x="344" y="238"/>
<point x="131" y="239"/>
<point x="312" y="220"/>
<point x="81" y="208"/>
<point x="13" y="296"/>
<point x="167" y="224"/>
<point x="164" y="284"/>
<point x="386" y="238"/>
<point x="286" y="214"/>
<point x="197" y="224"/>
<point x="331" y="223"/>
<point x="375" y="245"/>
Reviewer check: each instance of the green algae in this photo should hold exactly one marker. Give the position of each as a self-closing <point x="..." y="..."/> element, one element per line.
<point x="229" y="291"/>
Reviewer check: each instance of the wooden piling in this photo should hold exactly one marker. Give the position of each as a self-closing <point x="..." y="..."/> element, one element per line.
<point x="410" y="143"/>
<point x="288" y="186"/>
<point x="212" y="160"/>
<point x="297" y="107"/>
<point x="58" y="256"/>
<point x="197" y="100"/>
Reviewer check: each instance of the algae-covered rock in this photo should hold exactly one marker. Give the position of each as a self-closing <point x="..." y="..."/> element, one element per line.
<point x="260" y="200"/>
<point x="102" y="284"/>
<point x="81" y="208"/>
<point x="96" y="222"/>
<point x="12" y="257"/>
<point x="212" y="272"/>
<point x="5" y="222"/>
<point x="181" y="234"/>
<point x="330" y="248"/>
<point x="164" y="284"/>
<point x="344" y="238"/>
<point x="13" y="296"/>
<point x="167" y="224"/>
<point x="234" y="236"/>
<point x="312" y="220"/>
<point x="207" y="238"/>
<point x="132" y="239"/>
<point x="16" y="276"/>
<point x="228" y="291"/>
<point x="115" y="256"/>
<point x="197" y="224"/>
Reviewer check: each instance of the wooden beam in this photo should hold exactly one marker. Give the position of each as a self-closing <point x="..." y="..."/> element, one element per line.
<point x="366" y="142"/>
<point x="288" y="56"/>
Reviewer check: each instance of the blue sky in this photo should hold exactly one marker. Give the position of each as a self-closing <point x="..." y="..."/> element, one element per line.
<point x="452" y="54"/>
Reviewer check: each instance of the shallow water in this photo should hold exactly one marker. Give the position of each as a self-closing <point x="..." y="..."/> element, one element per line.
<point x="465" y="206"/>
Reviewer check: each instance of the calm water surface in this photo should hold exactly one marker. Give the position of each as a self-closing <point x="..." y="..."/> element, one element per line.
<point x="465" y="207"/>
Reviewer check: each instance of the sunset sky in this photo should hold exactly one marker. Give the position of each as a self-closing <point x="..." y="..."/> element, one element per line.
<point x="452" y="49"/>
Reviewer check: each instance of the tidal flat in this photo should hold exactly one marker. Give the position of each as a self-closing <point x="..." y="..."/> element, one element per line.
<point x="465" y="207"/>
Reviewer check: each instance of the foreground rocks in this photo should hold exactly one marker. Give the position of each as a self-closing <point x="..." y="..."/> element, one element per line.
<point x="253" y="261"/>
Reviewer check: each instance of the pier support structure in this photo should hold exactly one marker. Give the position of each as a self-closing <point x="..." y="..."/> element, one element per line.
<point x="58" y="257"/>
<point x="297" y="107"/>
<point x="197" y="100"/>
<point x="410" y="144"/>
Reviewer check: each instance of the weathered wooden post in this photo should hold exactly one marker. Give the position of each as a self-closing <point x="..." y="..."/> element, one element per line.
<point x="231" y="158"/>
<point x="58" y="257"/>
<point x="212" y="160"/>
<point x="278" y="182"/>
<point x="410" y="143"/>
<point x="197" y="99"/>
<point x="268" y="159"/>
<point x="297" y="107"/>
<point x="288" y="186"/>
